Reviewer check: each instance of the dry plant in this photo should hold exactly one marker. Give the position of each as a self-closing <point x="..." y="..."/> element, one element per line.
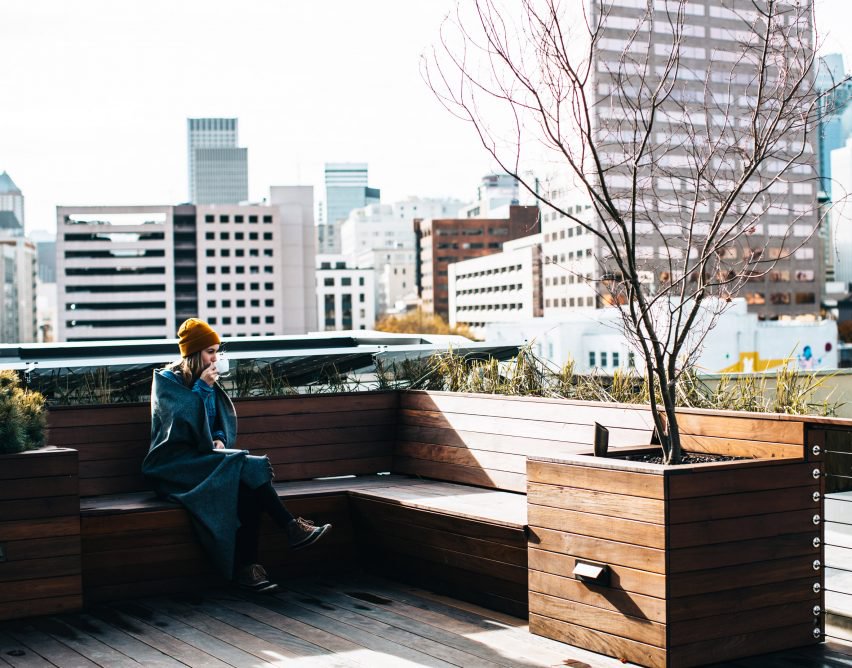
<point x="694" y="154"/>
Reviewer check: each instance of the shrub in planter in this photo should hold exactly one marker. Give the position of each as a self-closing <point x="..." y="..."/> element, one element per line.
<point x="22" y="415"/>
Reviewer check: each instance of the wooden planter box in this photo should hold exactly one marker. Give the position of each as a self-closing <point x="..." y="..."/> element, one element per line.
<point x="39" y="533"/>
<point x="706" y="562"/>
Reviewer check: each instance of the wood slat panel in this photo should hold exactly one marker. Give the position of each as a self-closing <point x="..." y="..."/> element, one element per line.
<point x="378" y="511"/>
<point x="51" y="506"/>
<point x="628" y="603"/>
<point x="554" y="431"/>
<point x="751" y="478"/>
<point x="740" y="447"/>
<point x="530" y="408"/>
<point x="698" y="509"/>
<point x="597" y="641"/>
<point x="621" y="577"/>
<point x="41" y="463"/>
<point x="462" y="456"/>
<point x="47" y="487"/>
<point x="747" y="644"/>
<point x="513" y="482"/>
<point x="33" y="548"/>
<point x="593" y="501"/>
<point x="35" y="568"/>
<point x="604" y="621"/>
<point x="740" y="576"/>
<point x="741" y="528"/>
<point x="278" y="423"/>
<point x="40" y="528"/>
<point x="750" y="598"/>
<point x="33" y="607"/>
<point x="597" y="549"/>
<point x="598" y="526"/>
<point x="735" y="622"/>
<point x="633" y="484"/>
<point x="742" y="552"/>
<point x="25" y="590"/>
<point x="748" y="427"/>
<point x="319" y="403"/>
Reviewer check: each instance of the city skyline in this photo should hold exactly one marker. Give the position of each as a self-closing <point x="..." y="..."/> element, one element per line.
<point x="97" y="103"/>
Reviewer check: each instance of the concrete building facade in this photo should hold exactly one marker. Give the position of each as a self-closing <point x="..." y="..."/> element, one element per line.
<point x="441" y="242"/>
<point x="345" y="295"/>
<point x="138" y="272"/>
<point x="503" y="287"/>
<point x="218" y="168"/>
<point x="18" y="272"/>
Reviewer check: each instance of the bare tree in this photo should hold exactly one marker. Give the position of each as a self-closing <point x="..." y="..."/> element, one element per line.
<point x="702" y="154"/>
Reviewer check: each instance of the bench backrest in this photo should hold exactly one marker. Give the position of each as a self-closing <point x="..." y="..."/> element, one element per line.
<point x="304" y="436"/>
<point x="485" y="439"/>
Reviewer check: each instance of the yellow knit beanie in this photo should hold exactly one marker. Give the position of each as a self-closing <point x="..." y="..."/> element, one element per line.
<point x="196" y="335"/>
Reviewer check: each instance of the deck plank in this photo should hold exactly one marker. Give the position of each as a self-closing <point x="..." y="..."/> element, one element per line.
<point x="319" y="621"/>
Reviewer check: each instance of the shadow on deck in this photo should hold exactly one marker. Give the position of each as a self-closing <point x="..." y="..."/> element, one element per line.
<point x="355" y="620"/>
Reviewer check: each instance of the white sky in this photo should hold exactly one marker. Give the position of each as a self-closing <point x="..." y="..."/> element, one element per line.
<point x="94" y="95"/>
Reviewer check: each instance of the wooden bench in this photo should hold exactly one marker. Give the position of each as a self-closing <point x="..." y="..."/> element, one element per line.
<point x="435" y="491"/>
<point x="450" y="511"/>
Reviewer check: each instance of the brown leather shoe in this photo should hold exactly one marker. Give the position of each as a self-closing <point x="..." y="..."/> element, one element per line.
<point x="254" y="578"/>
<point x="302" y="532"/>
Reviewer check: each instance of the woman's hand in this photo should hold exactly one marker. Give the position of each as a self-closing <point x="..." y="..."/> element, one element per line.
<point x="210" y="375"/>
<point x="218" y="445"/>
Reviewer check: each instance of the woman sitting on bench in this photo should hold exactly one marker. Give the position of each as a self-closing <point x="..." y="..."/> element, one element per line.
<point x="193" y="460"/>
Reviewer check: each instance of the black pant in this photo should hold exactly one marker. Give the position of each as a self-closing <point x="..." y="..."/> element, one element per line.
<point x="250" y="504"/>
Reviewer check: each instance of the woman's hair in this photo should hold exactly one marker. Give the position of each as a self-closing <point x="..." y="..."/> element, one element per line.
<point x="189" y="368"/>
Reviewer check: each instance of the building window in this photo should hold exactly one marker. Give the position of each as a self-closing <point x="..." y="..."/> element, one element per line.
<point x="226" y="320"/>
<point x="239" y="236"/>
<point x="252" y="236"/>
<point x="223" y="219"/>
<point x="209" y="235"/>
<point x="241" y="320"/>
<point x="212" y="320"/>
<point x="346" y="280"/>
<point x="240" y="269"/>
<point x="239" y="219"/>
<point x="226" y="270"/>
<point x="328" y="282"/>
<point x="252" y="219"/>
<point x="211" y="287"/>
<point x="211" y="270"/>
<point x="267" y="252"/>
<point x="329" y="312"/>
<point x="615" y="359"/>
<point x="603" y="359"/>
<point x="591" y="359"/>
<point x="241" y="303"/>
<point x="240" y="286"/>
<point x="239" y="252"/>
<point x="267" y="219"/>
<point x="224" y="236"/>
<point x="268" y="286"/>
<point x="226" y="252"/>
<point x="211" y="303"/>
<point x="269" y="302"/>
<point x="226" y="303"/>
<point x="631" y="359"/>
<point x="255" y="286"/>
<point x="209" y="219"/>
<point x="253" y="252"/>
<point x="267" y="236"/>
<point x="210" y="253"/>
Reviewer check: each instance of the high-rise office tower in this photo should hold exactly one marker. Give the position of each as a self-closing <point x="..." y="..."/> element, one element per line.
<point x="218" y="168"/>
<point x="835" y="122"/>
<point x="712" y="95"/>
<point x="345" y="189"/>
<point x="11" y="198"/>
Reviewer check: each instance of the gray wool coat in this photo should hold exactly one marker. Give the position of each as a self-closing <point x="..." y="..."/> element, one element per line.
<point x="182" y="465"/>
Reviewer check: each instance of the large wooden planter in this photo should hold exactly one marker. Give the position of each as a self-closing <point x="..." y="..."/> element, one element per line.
<point x="706" y="562"/>
<point x="39" y="533"/>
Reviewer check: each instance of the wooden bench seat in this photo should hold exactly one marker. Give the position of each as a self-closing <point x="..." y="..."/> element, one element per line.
<point x="454" y="521"/>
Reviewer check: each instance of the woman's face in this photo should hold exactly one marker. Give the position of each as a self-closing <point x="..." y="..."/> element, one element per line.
<point x="209" y="355"/>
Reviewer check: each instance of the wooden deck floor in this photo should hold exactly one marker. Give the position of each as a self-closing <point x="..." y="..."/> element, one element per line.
<point x="345" y="621"/>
